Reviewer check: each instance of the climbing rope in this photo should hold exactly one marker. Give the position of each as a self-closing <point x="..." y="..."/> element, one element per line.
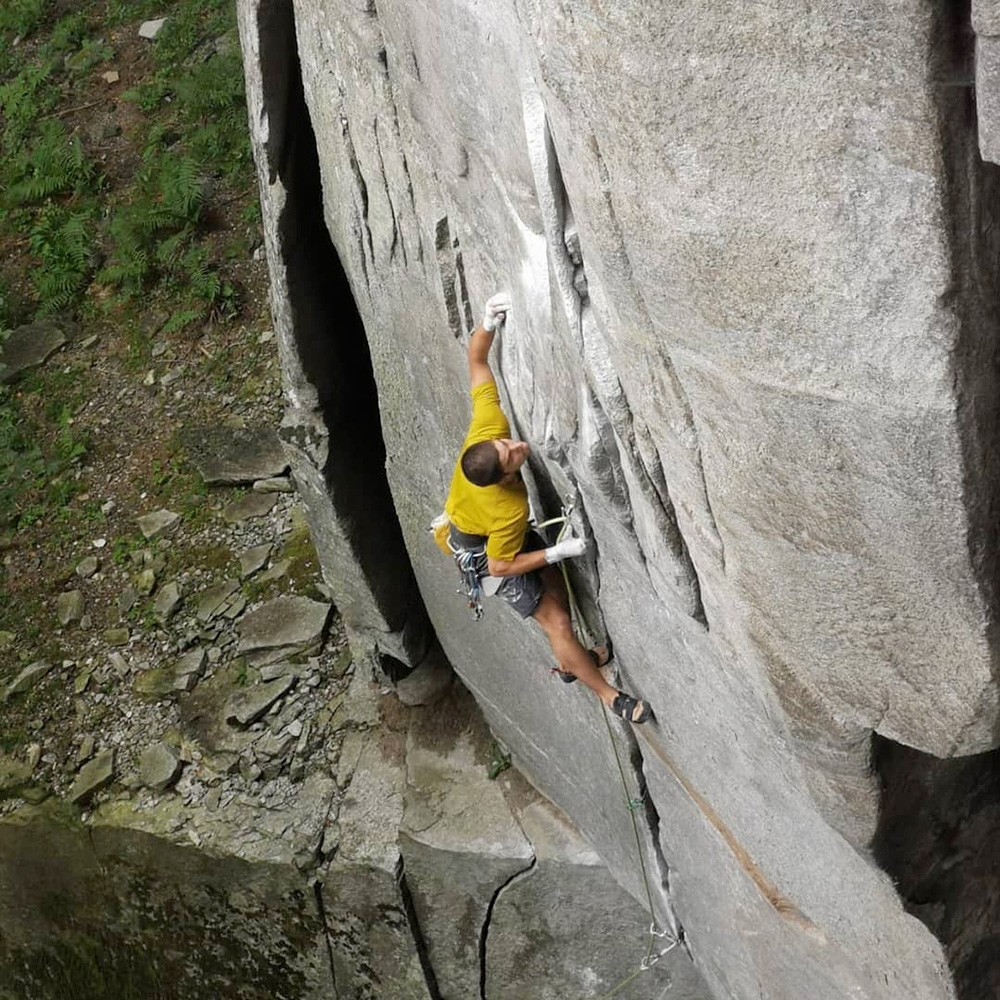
<point x="583" y="633"/>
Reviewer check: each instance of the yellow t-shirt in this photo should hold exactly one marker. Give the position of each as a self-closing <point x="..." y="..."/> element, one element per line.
<point x="499" y="511"/>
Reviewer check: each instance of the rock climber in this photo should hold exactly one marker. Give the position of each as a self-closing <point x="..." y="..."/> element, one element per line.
<point x="486" y="525"/>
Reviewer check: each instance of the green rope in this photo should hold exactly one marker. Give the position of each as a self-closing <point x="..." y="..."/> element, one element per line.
<point x="632" y="804"/>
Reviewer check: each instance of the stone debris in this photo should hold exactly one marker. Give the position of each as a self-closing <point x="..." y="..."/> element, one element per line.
<point x="94" y="776"/>
<point x="172" y="678"/>
<point x="69" y="607"/>
<point x="32" y="345"/>
<point x="234" y="456"/>
<point x="274" y="484"/>
<point x="167" y="601"/>
<point x="213" y="600"/>
<point x="287" y="623"/>
<point x="150" y="29"/>
<point x="157" y="523"/>
<point x="87" y="567"/>
<point x="250" y="704"/>
<point x="275" y="572"/>
<point x="86" y="750"/>
<point x="234" y="607"/>
<point x="126" y="600"/>
<point x="145" y="582"/>
<point x="251" y="506"/>
<point x="254" y="560"/>
<point x="110" y="77"/>
<point x="119" y="663"/>
<point x="275" y="670"/>
<point x="117" y="636"/>
<point x="27" y="678"/>
<point x="159" y="767"/>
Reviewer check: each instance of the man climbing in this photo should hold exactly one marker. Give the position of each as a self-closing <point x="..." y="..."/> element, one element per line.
<point x="487" y="527"/>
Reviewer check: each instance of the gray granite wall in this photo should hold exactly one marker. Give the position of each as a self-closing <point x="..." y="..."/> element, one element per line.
<point x="749" y="247"/>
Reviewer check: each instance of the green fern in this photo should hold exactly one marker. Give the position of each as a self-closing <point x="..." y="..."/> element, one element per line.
<point x="23" y="99"/>
<point x="56" y="164"/>
<point x="63" y="244"/>
<point x="21" y="17"/>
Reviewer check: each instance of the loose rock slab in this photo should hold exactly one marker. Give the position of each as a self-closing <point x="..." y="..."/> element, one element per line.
<point x="212" y="599"/>
<point x="158" y="523"/>
<point x="235" y="455"/>
<point x="284" y="622"/>
<point x="26" y="678"/>
<point x="69" y="607"/>
<point x="172" y="678"/>
<point x="31" y="345"/>
<point x="247" y="706"/>
<point x="87" y="567"/>
<point x="98" y="774"/>
<point x="250" y="506"/>
<point x="276" y="484"/>
<point x="159" y="767"/>
<point x="150" y="29"/>
<point x="167" y="601"/>
<point x="254" y="560"/>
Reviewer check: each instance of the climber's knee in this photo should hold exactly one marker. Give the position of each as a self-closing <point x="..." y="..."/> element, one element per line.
<point x="553" y="617"/>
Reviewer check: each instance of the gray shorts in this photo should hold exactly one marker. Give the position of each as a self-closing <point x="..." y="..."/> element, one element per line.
<point x="522" y="592"/>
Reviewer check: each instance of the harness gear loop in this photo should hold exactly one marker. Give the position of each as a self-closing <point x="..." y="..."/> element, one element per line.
<point x="469" y="566"/>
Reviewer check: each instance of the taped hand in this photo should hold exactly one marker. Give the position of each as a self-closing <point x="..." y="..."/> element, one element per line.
<point x="496" y="311"/>
<point x="570" y="548"/>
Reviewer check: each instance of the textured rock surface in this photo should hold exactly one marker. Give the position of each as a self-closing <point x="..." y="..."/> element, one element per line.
<point x="753" y="333"/>
<point x="26" y="678"/>
<point x="284" y="623"/>
<point x="93" y="776"/>
<point x="235" y="455"/>
<point x="110" y="912"/>
<point x="31" y="345"/>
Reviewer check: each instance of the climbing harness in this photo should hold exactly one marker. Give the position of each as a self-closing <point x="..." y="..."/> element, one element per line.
<point x="470" y="565"/>
<point x="632" y="804"/>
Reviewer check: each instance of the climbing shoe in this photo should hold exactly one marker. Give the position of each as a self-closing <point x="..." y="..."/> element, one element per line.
<point x="631" y="709"/>
<point x="599" y="661"/>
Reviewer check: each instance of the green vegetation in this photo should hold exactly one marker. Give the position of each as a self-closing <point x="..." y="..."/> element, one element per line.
<point x="109" y="232"/>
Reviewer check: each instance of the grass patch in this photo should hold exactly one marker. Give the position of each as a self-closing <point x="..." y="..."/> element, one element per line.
<point x="75" y="240"/>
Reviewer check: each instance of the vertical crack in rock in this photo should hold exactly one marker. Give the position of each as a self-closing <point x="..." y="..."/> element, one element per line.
<point x="331" y="348"/>
<point x="449" y="260"/>
<point x="652" y="818"/>
<point x="397" y="238"/>
<point x="938" y="838"/>
<point x="365" y="232"/>
<point x="781" y="903"/>
<point x="679" y="392"/>
<point x="430" y="978"/>
<point x="463" y="288"/>
<point x="608" y="402"/>
<point x="972" y="203"/>
<point x="317" y="887"/>
<point x="485" y="930"/>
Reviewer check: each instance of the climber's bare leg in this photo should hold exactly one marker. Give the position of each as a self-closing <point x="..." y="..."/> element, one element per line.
<point x="552" y="615"/>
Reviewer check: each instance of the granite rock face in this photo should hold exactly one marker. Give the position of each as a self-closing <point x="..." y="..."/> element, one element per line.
<point x="753" y="337"/>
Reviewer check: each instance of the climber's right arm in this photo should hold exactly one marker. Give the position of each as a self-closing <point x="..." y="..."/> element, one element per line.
<point x="482" y="339"/>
